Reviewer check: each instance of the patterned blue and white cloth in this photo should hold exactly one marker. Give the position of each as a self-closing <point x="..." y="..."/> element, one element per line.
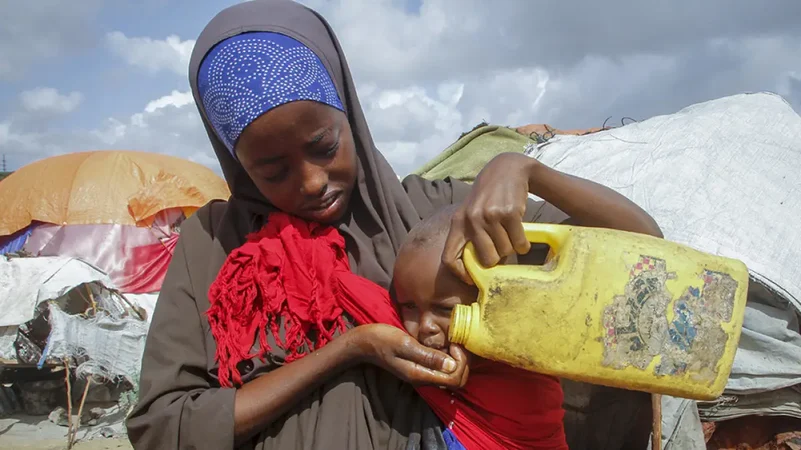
<point x="247" y="75"/>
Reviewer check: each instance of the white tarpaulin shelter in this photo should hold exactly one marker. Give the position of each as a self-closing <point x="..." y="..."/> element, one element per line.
<point x="721" y="176"/>
<point x="108" y="342"/>
<point x="26" y="282"/>
<point x="112" y="344"/>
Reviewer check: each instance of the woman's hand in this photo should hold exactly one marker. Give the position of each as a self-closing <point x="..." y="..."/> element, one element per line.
<point x="491" y="216"/>
<point x="395" y="351"/>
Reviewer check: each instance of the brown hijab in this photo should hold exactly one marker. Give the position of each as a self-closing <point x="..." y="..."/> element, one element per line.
<point x="382" y="211"/>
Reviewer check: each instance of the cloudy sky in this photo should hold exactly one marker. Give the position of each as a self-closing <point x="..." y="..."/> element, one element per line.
<point x="112" y="74"/>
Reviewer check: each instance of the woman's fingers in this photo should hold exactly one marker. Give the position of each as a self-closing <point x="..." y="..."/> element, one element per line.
<point x="462" y="359"/>
<point x="423" y="365"/>
<point x="418" y="375"/>
<point x="454" y="248"/>
<point x="503" y="222"/>
<point x="500" y="240"/>
<point x="402" y="355"/>
<point x="493" y="225"/>
<point x="394" y="350"/>
<point x="513" y="224"/>
<point x="429" y="358"/>
<point x="478" y="233"/>
<point x="492" y="214"/>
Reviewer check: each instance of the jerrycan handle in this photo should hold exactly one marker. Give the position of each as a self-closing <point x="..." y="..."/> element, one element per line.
<point x="537" y="233"/>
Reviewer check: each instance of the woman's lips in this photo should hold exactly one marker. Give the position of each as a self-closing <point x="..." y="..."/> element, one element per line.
<point x="326" y="202"/>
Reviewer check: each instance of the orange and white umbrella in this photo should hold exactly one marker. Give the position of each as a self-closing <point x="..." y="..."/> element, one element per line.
<point x="105" y="187"/>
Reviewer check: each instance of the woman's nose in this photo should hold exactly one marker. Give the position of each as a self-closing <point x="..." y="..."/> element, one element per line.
<point x="314" y="180"/>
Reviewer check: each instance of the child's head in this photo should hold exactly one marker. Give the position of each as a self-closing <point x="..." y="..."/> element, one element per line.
<point x="425" y="289"/>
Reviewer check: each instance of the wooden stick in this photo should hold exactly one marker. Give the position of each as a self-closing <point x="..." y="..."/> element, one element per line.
<point x="69" y="403"/>
<point x="80" y="408"/>
<point x="131" y="305"/>
<point x="656" y="407"/>
<point x="91" y="298"/>
<point x="91" y="301"/>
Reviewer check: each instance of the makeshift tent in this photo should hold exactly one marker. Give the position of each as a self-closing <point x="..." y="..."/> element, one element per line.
<point x="58" y="312"/>
<point x="96" y="232"/>
<point x="14" y="242"/>
<point x="135" y="258"/>
<point x="105" y="187"/>
<point x="465" y="157"/>
<point x="118" y="210"/>
<point x="720" y="176"/>
<point x="28" y="283"/>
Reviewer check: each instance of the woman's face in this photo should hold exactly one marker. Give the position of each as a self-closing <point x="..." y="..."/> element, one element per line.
<point x="302" y="158"/>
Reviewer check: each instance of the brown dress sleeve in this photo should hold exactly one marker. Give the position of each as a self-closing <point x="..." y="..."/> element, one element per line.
<point x="538" y="211"/>
<point x="178" y="407"/>
<point x="429" y="196"/>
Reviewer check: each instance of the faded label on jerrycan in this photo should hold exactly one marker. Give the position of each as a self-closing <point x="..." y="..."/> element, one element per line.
<point x="689" y="338"/>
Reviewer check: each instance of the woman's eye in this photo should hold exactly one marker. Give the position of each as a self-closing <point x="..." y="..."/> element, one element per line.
<point x="330" y="151"/>
<point x="276" y="178"/>
<point x="409" y="306"/>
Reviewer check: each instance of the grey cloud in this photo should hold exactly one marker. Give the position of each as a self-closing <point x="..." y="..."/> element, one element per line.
<point x="153" y="55"/>
<point x="168" y="129"/>
<point x="519" y="61"/>
<point x="33" y="32"/>
<point x="472" y="36"/>
<point x="702" y="73"/>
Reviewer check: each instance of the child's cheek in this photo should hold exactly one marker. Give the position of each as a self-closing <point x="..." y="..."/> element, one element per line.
<point x="412" y="327"/>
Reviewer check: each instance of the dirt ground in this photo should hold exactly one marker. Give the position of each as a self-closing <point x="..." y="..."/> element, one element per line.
<point x="38" y="433"/>
<point x="60" y="444"/>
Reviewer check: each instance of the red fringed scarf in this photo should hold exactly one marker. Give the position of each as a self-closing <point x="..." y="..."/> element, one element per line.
<point x="299" y="272"/>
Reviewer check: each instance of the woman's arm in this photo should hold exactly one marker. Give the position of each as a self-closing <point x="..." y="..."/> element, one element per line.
<point x="181" y="406"/>
<point x="266" y="398"/>
<point x="588" y="203"/>
<point x="491" y="216"/>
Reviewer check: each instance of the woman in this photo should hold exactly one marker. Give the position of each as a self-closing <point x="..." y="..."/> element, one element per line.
<point x="277" y="99"/>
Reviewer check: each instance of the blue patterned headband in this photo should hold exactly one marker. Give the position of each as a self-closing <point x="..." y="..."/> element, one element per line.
<point x="247" y="75"/>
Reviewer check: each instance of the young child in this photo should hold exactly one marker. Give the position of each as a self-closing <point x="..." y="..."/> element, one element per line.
<point x="501" y="406"/>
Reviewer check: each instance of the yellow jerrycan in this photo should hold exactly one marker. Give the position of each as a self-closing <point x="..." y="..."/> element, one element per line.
<point x="612" y="308"/>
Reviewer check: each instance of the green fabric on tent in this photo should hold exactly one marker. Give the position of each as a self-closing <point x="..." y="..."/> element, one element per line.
<point x="471" y="152"/>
